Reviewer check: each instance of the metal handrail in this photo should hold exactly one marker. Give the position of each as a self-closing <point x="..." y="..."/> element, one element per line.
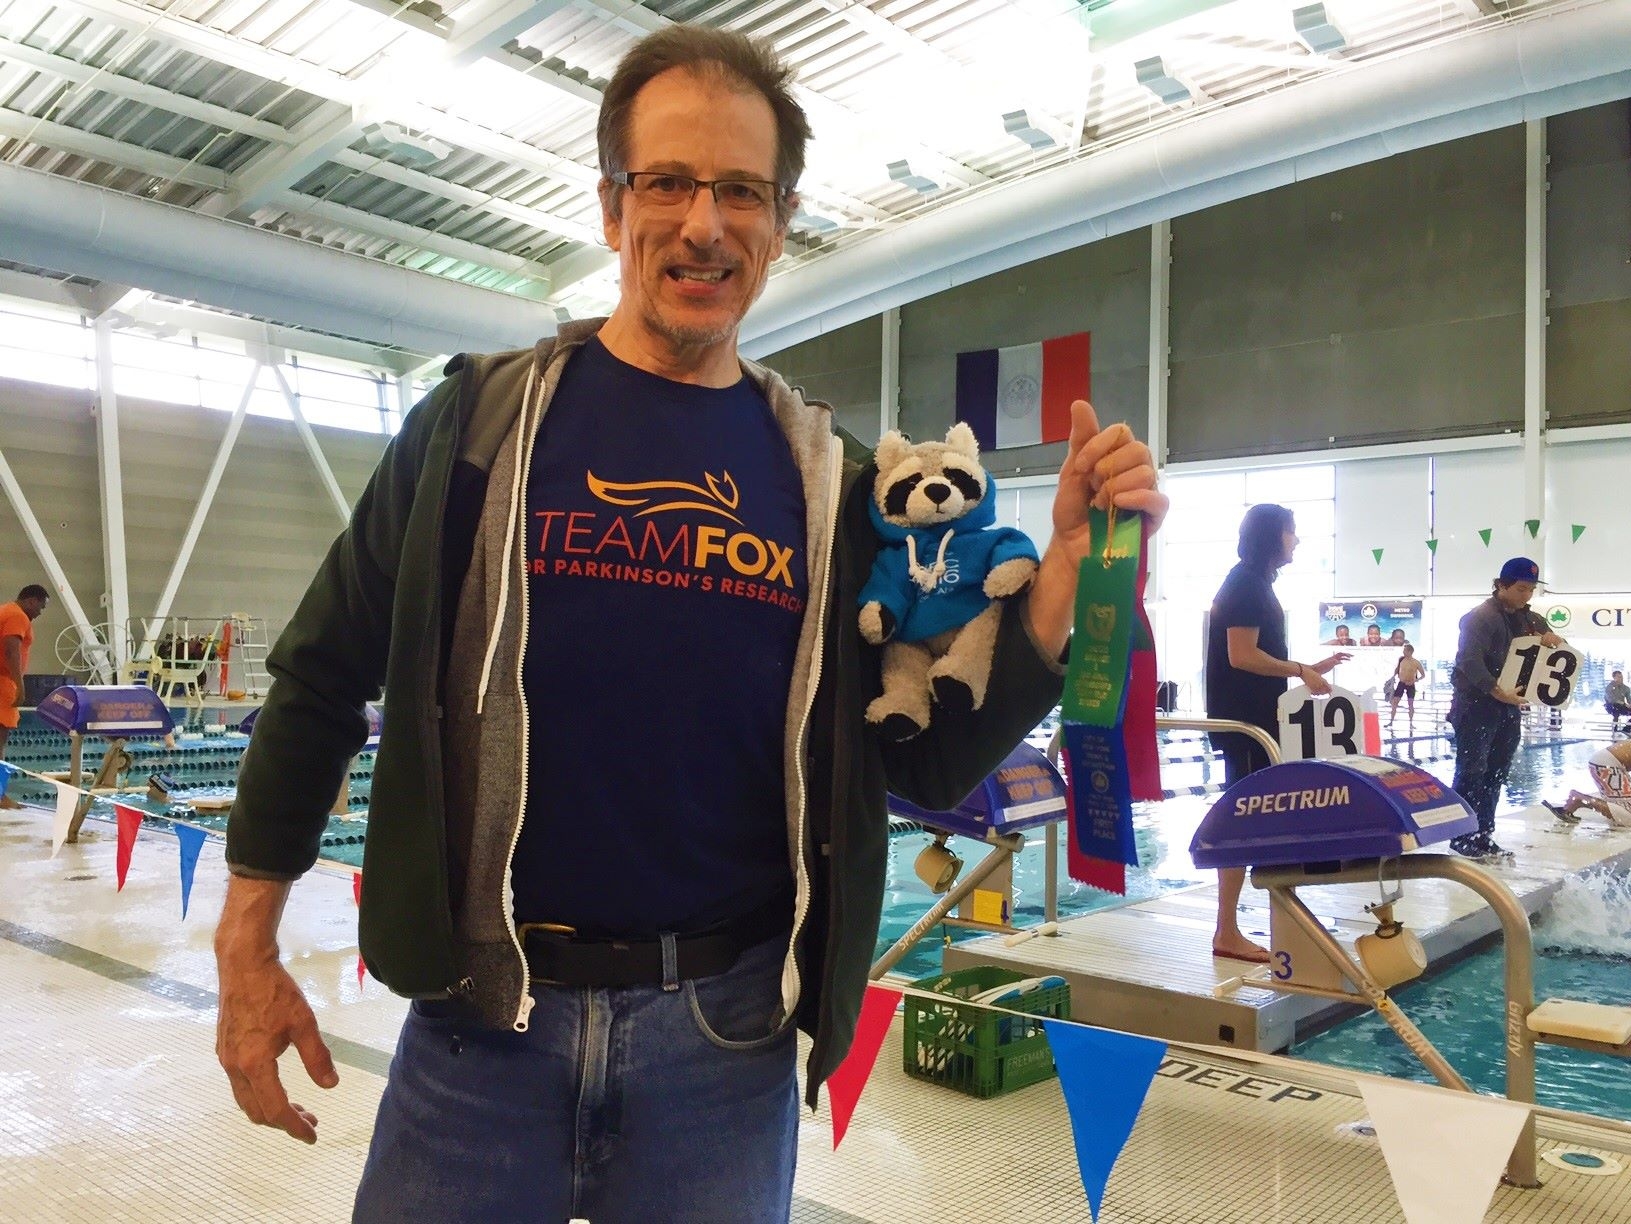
<point x="1520" y="972"/>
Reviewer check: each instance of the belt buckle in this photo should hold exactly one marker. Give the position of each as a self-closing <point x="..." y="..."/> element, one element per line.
<point x="549" y="928"/>
<point x="524" y="929"/>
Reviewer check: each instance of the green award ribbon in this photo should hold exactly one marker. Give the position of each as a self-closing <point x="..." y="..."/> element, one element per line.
<point x="1109" y="629"/>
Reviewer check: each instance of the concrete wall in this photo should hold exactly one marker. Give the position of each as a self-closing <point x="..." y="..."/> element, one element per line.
<point x="270" y="524"/>
<point x="1588" y="266"/>
<point x="1377" y="304"/>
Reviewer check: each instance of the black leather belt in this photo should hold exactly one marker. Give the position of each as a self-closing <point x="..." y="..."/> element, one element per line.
<point x="560" y="956"/>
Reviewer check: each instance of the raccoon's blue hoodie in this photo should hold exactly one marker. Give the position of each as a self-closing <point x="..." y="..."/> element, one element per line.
<point x="958" y="596"/>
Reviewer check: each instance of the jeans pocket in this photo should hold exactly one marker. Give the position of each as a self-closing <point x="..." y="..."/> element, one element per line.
<point x="741" y="1009"/>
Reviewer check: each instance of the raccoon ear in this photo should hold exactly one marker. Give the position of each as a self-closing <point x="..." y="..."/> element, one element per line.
<point x="892" y="449"/>
<point x="962" y="440"/>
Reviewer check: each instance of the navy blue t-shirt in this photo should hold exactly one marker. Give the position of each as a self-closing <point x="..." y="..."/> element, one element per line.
<point x="1246" y="600"/>
<point x="667" y="580"/>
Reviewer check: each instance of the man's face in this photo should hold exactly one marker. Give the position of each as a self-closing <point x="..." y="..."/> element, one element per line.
<point x="690" y="272"/>
<point x="1515" y="595"/>
<point x="1619" y="678"/>
<point x="33" y="607"/>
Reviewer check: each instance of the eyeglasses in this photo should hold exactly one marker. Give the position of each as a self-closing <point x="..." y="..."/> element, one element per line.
<point x="661" y="190"/>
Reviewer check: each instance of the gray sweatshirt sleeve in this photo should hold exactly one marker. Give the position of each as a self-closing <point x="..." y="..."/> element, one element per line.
<point x="1480" y="636"/>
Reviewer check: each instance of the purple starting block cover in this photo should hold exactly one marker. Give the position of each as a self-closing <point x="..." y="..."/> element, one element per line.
<point x="376" y="720"/>
<point x="1355" y="807"/>
<point x="105" y="709"/>
<point x="1023" y="792"/>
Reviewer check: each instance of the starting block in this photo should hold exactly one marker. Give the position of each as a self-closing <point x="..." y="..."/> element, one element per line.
<point x="118" y="712"/>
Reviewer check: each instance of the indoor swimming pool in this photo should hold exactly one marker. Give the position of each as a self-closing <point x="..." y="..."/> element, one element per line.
<point x="1582" y="951"/>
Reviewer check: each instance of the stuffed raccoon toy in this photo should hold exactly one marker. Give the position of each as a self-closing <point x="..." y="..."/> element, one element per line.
<point x="929" y="599"/>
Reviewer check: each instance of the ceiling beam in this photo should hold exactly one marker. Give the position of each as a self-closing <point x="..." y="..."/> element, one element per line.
<point x="430" y="184"/>
<point x="1002" y="91"/>
<point x="491" y="29"/>
<point x="317" y="139"/>
<point x="409" y="235"/>
<point x="64" y="139"/>
<point x="105" y="80"/>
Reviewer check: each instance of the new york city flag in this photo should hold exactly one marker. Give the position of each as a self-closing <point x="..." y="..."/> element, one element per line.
<point x="1021" y="396"/>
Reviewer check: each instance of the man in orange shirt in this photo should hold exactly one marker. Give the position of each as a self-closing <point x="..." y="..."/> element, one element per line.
<point x="16" y="636"/>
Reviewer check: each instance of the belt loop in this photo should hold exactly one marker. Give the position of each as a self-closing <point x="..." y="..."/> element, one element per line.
<point x="671" y="961"/>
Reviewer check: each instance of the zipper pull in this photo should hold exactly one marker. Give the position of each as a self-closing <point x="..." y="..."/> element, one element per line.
<point x="522" y="1021"/>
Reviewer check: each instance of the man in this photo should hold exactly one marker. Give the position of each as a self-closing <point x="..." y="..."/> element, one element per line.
<point x="1608" y="768"/>
<point x="628" y="827"/>
<point x="16" y="636"/>
<point x="1407" y="673"/>
<point x="1617" y="701"/>
<point x="1487" y="718"/>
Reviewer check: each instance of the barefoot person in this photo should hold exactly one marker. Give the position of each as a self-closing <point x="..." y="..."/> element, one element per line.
<point x="1610" y="769"/>
<point x="16" y="636"/>
<point x="1246" y="672"/>
<point x="1407" y="673"/>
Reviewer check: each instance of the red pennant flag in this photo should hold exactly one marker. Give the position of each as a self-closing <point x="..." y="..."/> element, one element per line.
<point x="356" y="896"/>
<point x="845" y="1084"/>
<point x="130" y="823"/>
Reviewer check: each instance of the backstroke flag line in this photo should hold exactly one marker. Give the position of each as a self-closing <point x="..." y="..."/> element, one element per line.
<point x="1104" y="1076"/>
<point x="1427" y="1132"/>
<point x="67" y="801"/>
<point x="192" y="841"/>
<point x="1021" y="396"/>
<point x="130" y="824"/>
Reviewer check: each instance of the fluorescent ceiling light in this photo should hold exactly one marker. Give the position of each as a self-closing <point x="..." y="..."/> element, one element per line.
<point x="1018" y="125"/>
<point x="1153" y="75"/>
<point x="384" y="136"/>
<point x="901" y="172"/>
<point x="1317" y="31"/>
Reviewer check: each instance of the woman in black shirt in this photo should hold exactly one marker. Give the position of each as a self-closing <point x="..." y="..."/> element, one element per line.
<point x="1246" y="672"/>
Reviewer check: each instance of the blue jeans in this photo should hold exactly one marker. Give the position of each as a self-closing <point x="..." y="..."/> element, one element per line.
<point x="620" y="1106"/>
<point x="1486" y="740"/>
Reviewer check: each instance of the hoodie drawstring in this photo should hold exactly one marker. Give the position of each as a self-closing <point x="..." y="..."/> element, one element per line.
<point x="927" y="577"/>
<point x="517" y="491"/>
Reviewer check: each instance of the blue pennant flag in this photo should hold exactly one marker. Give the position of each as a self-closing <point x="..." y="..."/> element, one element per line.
<point x="5" y="778"/>
<point x="192" y="841"/>
<point x="1104" y="1077"/>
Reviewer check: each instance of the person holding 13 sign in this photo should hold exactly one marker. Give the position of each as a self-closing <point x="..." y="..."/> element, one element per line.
<point x="1486" y="715"/>
<point x="1247" y="666"/>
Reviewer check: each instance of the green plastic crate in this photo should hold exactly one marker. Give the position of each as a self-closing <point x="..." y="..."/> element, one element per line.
<point x="974" y="1050"/>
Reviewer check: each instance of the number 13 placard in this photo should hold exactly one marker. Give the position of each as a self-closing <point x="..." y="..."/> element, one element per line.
<point x="1546" y="674"/>
<point x="1317" y="728"/>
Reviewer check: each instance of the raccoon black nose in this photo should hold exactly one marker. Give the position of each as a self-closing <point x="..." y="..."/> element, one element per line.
<point x="937" y="492"/>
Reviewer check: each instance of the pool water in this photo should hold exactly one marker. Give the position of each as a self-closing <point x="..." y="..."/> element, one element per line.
<point x="1582" y="951"/>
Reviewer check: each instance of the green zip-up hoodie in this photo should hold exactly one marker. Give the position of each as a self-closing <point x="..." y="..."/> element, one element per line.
<point x="424" y="593"/>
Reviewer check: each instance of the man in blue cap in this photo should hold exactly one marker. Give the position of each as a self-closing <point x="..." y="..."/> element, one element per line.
<point x="1487" y="718"/>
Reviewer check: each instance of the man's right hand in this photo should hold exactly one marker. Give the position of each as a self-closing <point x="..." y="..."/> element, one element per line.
<point x="1509" y="697"/>
<point x="262" y="1013"/>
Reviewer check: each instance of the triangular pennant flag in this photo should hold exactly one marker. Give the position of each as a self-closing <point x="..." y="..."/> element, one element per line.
<point x="192" y="841"/>
<point x="845" y="1084"/>
<point x="67" y="801"/>
<point x="1377" y="553"/>
<point x="1432" y="546"/>
<point x="1425" y="1130"/>
<point x="1533" y="525"/>
<point x="356" y="888"/>
<point x="5" y="778"/>
<point x="130" y="823"/>
<point x="1484" y="533"/>
<point x="1577" y="530"/>
<point x="1104" y="1076"/>
<point x="362" y="970"/>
